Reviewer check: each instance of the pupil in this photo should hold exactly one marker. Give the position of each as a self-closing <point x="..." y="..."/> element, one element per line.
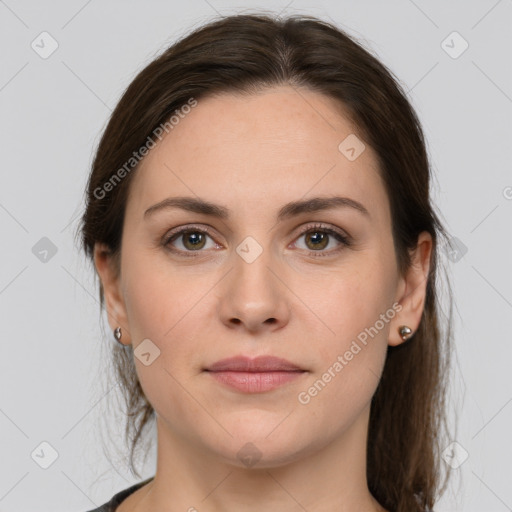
<point x="195" y="237"/>
<point x="318" y="237"/>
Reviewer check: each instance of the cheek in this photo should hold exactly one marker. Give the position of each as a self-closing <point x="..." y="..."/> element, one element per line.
<point x="166" y="306"/>
<point x="357" y="307"/>
<point x="157" y="297"/>
<point x="351" y="359"/>
<point x="146" y="308"/>
<point x="349" y="299"/>
<point x="159" y="308"/>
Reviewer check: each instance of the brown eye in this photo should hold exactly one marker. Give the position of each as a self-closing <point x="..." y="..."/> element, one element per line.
<point x="189" y="240"/>
<point x="193" y="240"/>
<point x="186" y="241"/>
<point x="316" y="240"/>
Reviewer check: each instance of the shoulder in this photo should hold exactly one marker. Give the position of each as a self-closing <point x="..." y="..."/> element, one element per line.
<point x="116" y="500"/>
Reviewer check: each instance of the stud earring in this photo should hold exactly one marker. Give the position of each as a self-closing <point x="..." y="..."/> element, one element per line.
<point x="118" y="334"/>
<point x="405" y="332"/>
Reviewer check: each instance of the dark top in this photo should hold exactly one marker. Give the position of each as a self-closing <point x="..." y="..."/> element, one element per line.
<point x="119" y="497"/>
<point x="122" y="495"/>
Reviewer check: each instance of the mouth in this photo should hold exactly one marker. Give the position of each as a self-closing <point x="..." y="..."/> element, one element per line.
<point x="258" y="375"/>
<point x="259" y="364"/>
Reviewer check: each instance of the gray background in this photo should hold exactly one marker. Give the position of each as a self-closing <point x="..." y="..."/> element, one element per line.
<point x="52" y="112"/>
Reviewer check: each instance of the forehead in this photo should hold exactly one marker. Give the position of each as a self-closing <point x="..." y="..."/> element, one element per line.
<point x="278" y="145"/>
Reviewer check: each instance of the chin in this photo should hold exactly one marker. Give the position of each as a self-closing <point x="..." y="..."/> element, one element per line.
<point x="261" y="447"/>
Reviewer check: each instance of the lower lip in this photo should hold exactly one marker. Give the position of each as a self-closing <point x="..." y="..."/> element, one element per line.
<point x="255" y="382"/>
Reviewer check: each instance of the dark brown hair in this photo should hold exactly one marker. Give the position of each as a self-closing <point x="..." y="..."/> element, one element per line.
<point x="244" y="54"/>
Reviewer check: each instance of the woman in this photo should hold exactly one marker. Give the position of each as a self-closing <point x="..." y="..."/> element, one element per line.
<point x="258" y="214"/>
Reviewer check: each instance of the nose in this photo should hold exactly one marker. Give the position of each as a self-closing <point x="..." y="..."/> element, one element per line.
<point x="253" y="296"/>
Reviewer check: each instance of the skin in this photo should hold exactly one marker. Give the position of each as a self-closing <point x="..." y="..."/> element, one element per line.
<point x="241" y="152"/>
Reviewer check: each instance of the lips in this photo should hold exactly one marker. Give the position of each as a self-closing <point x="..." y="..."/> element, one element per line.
<point x="258" y="375"/>
<point x="260" y="364"/>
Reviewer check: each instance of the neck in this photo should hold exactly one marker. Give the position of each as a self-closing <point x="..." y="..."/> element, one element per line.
<point x="328" y="478"/>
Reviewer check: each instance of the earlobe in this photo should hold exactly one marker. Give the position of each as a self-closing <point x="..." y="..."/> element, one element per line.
<point x="412" y="292"/>
<point x="109" y="277"/>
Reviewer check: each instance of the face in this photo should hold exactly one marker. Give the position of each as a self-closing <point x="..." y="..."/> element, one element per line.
<point x="317" y="287"/>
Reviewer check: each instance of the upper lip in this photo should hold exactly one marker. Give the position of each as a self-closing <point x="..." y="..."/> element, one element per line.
<point x="257" y="364"/>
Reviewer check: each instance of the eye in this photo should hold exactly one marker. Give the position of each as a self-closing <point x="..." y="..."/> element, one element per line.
<point x="319" y="236"/>
<point x="192" y="239"/>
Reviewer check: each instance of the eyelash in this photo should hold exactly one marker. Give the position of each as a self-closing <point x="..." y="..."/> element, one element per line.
<point x="344" y="239"/>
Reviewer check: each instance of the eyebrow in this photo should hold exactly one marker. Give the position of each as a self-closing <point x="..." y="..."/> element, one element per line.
<point x="315" y="204"/>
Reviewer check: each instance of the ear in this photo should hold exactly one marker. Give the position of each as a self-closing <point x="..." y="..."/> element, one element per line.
<point x="114" y="302"/>
<point x="411" y="290"/>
